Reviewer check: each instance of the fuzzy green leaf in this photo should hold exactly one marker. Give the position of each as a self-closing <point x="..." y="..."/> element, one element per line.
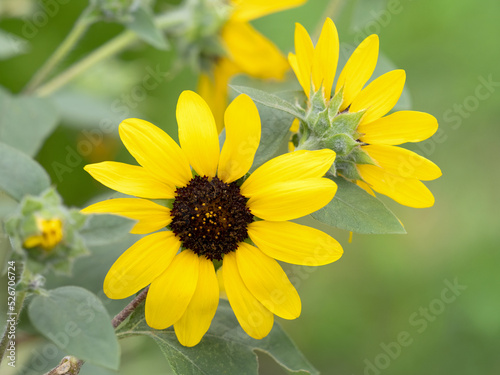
<point x="275" y="130"/>
<point x="144" y="26"/>
<point x="225" y="348"/>
<point x="21" y="175"/>
<point x="76" y="321"/>
<point x="25" y="122"/>
<point x="355" y="210"/>
<point x="270" y="100"/>
<point x="103" y="229"/>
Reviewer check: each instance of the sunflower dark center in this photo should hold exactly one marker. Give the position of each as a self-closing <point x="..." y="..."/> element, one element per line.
<point x="210" y="217"/>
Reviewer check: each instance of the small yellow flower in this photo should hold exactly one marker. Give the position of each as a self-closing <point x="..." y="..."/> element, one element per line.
<point x="50" y="233"/>
<point x="396" y="171"/>
<point x="214" y="216"/>
<point x="247" y="50"/>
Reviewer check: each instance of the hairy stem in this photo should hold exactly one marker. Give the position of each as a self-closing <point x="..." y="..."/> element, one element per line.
<point x="4" y="343"/>
<point x="110" y="48"/>
<point x="129" y="309"/>
<point x="76" y="33"/>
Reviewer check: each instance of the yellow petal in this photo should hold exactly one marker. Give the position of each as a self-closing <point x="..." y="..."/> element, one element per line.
<point x="253" y="53"/>
<point x="326" y="56"/>
<point x="222" y="288"/>
<point x="33" y="241"/>
<point x="302" y="78"/>
<point x="196" y="320"/>
<point x="247" y="10"/>
<point x="402" y="162"/>
<point x="143" y="262"/>
<point x="294" y="243"/>
<point x="242" y="139"/>
<point x="399" y="127"/>
<point x="380" y="96"/>
<point x="304" y="50"/>
<point x="267" y="281"/>
<point x="296" y="165"/>
<point x="358" y="70"/>
<point x="129" y="179"/>
<point x="214" y="89"/>
<point x="293" y="199"/>
<point x="365" y="187"/>
<point x="255" y="319"/>
<point x="406" y="191"/>
<point x="198" y="133"/>
<point x="294" y="128"/>
<point x="171" y="292"/>
<point x="155" y="151"/>
<point x="151" y="216"/>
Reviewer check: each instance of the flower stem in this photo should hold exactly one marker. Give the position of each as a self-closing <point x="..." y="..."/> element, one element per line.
<point x="112" y="47"/>
<point x="122" y="315"/>
<point x="76" y="33"/>
<point x="20" y="297"/>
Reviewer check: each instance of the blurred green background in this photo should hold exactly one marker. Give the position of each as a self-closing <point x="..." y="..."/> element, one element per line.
<point x="386" y="307"/>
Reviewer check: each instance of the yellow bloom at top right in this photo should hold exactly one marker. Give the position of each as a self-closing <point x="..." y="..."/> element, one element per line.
<point x="352" y="119"/>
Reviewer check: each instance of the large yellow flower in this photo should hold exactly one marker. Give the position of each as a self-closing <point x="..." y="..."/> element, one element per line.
<point x="247" y="51"/>
<point x="396" y="172"/>
<point x="214" y="216"/>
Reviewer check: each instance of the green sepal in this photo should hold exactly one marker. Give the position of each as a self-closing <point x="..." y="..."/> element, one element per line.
<point x="347" y="169"/>
<point x="342" y="144"/>
<point x="319" y="122"/>
<point x="335" y="103"/>
<point x="346" y="122"/>
<point x="359" y="156"/>
<point x="317" y="101"/>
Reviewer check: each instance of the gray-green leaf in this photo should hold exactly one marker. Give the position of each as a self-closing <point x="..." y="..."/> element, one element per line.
<point x="275" y="129"/>
<point x="25" y="122"/>
<point x="225" y="348"/>
<point x="355" y="210"/>
<point x="21" y="174"/>
<point x="270" y="100"/>
<point x="76" y="321"/>
<point x="105" y="229"/>
<point x="143" y="24"/>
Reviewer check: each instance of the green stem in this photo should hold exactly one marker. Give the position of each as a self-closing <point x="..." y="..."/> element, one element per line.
<point x="112" y="47"/>
<point x="76" y="33"/>
<point x="20" y="297"/>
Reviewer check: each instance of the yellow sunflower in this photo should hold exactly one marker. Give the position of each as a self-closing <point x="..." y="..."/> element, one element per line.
<point x="392" y="171"/>
<point x="247" y="51"/>
<point x="50" y="233"/>
<point x="218" y="214"/>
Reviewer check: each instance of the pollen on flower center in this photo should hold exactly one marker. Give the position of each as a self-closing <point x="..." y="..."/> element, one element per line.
<point x="210" y="217"/>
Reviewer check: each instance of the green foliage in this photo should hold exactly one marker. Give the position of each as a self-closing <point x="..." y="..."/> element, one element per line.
<point x="143" y="24"/>
<point x="271" y="101"/>
<point x="104" y="229"/>
<point x="76" y="321"/>
<point x="355" y="210"/>
<point x="21" y="175"/>
<point x="225" y="348"/>
<point x="25" y="122"/>
<point x="275" y="129"/>
<point x="11" y="45"/>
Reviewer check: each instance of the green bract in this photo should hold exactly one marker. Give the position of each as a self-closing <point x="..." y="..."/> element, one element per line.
<point x="325" y="127"/>
<point x="22" y="225"/>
